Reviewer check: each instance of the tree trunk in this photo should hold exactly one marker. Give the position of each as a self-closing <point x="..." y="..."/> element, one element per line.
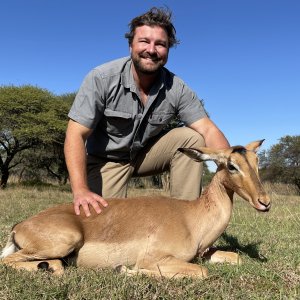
<point x="21" y="175"/>
<point x="297" y="183"/>
<point x="4" y="178"/>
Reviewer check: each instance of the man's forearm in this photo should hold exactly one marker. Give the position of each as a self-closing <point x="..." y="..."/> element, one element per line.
<point x="214" y="138"/>
<point x="75" y="155"/>
<point x="76" y="163"/>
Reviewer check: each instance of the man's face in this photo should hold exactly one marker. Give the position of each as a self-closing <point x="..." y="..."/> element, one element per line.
<point x="149" y="49"/>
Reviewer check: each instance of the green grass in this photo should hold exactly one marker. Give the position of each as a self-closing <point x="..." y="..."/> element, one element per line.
<point x="268" y="244"/>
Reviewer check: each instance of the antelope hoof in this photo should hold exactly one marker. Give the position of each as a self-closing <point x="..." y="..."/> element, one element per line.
<point x="124" y="270"/>
<point x="216" y="256"/>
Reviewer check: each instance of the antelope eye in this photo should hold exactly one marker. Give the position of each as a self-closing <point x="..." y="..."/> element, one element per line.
<point x="231" y="167"/>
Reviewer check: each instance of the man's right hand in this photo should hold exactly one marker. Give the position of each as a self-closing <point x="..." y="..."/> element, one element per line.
<point x="75" y="154"/>
<point x="85" y="199"/>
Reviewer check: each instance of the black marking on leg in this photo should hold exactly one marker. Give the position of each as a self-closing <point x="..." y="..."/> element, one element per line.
<point x="43" y="266"/>
<point x="118" y="268"/>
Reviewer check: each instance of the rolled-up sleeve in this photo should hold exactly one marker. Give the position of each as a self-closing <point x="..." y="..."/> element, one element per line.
<point x="190" y="108"/>
<point x="88" y="107"/>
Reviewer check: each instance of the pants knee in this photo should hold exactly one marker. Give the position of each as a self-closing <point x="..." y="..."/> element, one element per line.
<point x="189" y="137"/>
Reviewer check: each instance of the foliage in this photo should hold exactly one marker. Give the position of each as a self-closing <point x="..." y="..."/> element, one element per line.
<point x="49" y="156"/>
<point x="21" y="123"/>
<point x="207" y="175"/>
<point x="31" y="117"/>
<point x="282" y="162"/>
<point x="42" y="164"/>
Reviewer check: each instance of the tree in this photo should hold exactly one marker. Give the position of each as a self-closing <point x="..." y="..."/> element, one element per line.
<point x="30" y="117"/>
<point x="51" y="154"/>
<point x="282" y="162"/>
<point x="20" y="127"/>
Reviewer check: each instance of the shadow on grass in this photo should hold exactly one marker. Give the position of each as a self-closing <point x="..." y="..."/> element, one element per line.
<point x="252" y="250"/>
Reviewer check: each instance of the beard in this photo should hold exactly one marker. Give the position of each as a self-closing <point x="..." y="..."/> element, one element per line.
<point x="147" y="64"/>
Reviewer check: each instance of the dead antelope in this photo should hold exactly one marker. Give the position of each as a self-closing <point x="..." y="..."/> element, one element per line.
<point x="153" y="235"/>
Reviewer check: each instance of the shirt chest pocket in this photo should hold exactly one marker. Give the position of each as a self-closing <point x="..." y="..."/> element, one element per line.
<point x="118" y="123"/>
<point x="157" y="122"/>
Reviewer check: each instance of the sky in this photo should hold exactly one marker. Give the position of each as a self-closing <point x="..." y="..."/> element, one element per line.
<point x="242" y="57"/>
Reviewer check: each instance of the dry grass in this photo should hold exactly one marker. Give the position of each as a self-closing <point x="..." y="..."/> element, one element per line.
<point x="267" y="243"/>
<point x="281" y="189"/>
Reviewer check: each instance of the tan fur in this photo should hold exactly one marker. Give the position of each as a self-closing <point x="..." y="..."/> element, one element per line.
<point x="156" y="236"/>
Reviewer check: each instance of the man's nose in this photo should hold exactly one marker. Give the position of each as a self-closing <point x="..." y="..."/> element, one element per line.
<point x="151" y="48"/>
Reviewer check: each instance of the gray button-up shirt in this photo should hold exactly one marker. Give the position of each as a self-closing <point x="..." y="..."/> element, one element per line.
<point x="108" y="102"/>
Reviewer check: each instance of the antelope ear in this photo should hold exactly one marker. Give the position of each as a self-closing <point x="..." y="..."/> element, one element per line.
<point x="254" y="146"/>
<point x="204" y="154"/>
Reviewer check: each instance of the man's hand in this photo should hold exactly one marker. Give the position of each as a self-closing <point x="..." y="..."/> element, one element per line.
<point x="85" y="199"/>
<point x="75" y="154"/>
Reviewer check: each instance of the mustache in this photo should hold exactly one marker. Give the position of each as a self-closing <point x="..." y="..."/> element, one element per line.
<point x="154" y="57"/>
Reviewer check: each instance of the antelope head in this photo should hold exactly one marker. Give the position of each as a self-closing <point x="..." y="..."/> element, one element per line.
<point x="238" y="167"/>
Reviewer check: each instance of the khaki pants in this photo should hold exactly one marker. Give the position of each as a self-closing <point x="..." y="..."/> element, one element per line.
<point x="110" y="179"/>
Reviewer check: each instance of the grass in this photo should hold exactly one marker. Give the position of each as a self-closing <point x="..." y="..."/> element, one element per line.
<point x="268" y="244"/>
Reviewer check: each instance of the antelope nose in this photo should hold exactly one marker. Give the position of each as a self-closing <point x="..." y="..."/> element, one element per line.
<point x="265" y="202"/>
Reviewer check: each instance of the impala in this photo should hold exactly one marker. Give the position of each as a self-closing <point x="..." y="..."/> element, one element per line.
<point x="152" y="235"/>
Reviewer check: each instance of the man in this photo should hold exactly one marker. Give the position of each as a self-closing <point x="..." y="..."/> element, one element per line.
<point x="116" y="122"/>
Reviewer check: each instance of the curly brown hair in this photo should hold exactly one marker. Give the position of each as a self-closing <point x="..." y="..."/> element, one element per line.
<point x="154" y="17"/>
